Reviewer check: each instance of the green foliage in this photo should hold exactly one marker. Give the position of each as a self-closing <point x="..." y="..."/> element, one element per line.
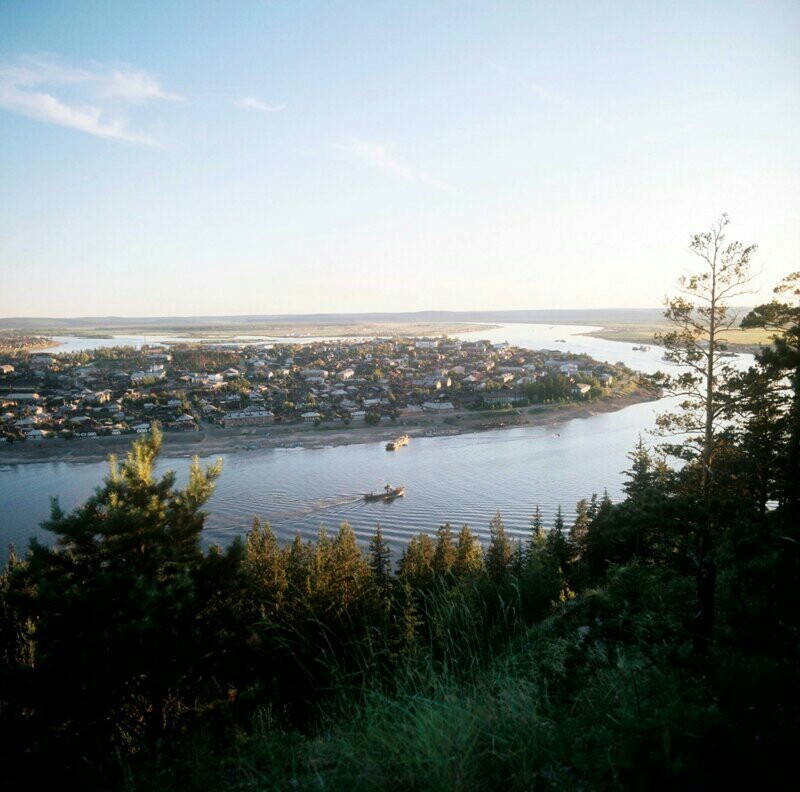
<point x="553" y="387"/>
<point x="701" y="316"/>
<point x="380" y="561"/>
<point x="444" y="555"/>
<point x="468" y="561"/>
<point x="500" y="554"/>
<point x="113" y="606"/>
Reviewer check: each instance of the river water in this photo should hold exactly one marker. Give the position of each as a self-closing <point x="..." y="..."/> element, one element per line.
<point x="83" y="343"/>
<point x="461" y="479"/>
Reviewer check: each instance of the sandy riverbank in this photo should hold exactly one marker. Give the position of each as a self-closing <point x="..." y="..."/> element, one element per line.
<point x="748" y="341"/>
<point x="213" y="440"/>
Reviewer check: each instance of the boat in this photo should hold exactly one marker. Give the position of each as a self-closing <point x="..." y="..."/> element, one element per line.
<point x="641" y="348"/>
<point x="389" y="493"/>
<point x="561" y="340"/>
<point x="398" y="442"/>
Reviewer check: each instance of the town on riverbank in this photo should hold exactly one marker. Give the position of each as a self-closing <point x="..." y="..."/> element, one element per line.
<point x="214" y="398"/>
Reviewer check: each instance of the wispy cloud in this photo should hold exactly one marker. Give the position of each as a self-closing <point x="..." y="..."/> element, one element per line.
<point x="91" y="100"/>
<point x="534" y="87"/>
<point x="253" y="103"/>
<point x="380" y="155"/>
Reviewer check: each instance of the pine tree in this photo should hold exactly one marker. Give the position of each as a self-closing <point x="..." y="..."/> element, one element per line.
<point x="538" y="540"/>
<point x="701" y="316"/>
<point x="579" y="530"/>
<point x="416" y="564"/>
<point x="640" y="474"/>
<point x="577" y="572"/>
<point x="445" y="553"/>
<point x="320" y="579"/>
<point x="557" y="542"/>
<point x="593" y="506"/>
<point x="264" y="568"/>
<point x="500" y="554"/>
<point x="410" y="619"/>
<point x="16" y="633"/>
<point x="776" y="382"/>
<point x="380" y="560"/>
<point x="349" y="574"/>
<point x="469" y="555"/>
<point x="299" y="565"/>
<point x="116" y="605"/>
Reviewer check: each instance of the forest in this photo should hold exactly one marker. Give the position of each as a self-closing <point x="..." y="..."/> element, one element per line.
<point x="646" y="643"/>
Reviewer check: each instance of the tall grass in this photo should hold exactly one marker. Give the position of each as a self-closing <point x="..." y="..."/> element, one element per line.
<point x="594" y="696"/>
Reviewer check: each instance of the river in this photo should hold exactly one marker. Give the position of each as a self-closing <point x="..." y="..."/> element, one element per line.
<point x="460" y="479"/>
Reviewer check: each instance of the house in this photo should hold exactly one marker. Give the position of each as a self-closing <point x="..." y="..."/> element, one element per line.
<point x="499" y="397"/>
<point x="99" y="397"/>
<point x="438" y="406"/>
<point x="185" y="421"/>
<point x="6" y="368"/>
<point x="311" y="417"/>
<point x="157" y="354"/>
<point x="581" y="389"/>
<point x="437" y="383"/>
<point x="248" y="417"/>
<point x="345" y="374"/>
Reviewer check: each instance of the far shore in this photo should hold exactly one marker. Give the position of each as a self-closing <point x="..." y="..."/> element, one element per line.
<point x="213" y="440"/>
<point x="738" y="340"/>
<point x="42" y="346"/>
<point x="279" y="333"/>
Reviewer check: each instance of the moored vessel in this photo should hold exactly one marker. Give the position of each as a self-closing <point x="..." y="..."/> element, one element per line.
<point x="398" y="442"/>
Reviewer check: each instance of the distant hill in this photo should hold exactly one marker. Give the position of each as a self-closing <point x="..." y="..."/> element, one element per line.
<point x="555" y="316"/>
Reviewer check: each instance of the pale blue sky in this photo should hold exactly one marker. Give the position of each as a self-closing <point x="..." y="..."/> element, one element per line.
<point x="219" y="158"/>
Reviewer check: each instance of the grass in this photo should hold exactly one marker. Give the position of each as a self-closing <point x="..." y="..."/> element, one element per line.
<point x="592" y="697"/>
<point x="643" y="334"/>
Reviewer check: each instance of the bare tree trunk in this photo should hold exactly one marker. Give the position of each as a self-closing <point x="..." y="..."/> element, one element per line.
<point x="706" y="568"/>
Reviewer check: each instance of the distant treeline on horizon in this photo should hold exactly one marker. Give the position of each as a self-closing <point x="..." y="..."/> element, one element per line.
<point x="553" y="316"/>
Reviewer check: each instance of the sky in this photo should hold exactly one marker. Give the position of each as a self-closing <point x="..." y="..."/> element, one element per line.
<point x="164" y="159"/>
